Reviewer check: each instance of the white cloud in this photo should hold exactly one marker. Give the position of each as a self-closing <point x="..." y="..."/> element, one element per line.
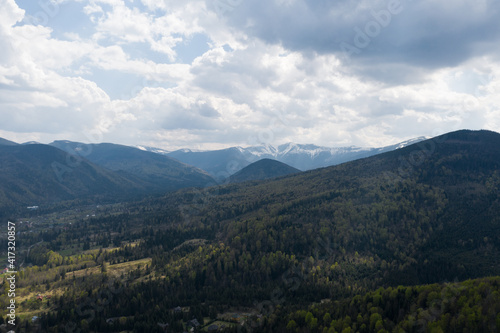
<point x="125" y="24"/>
<point x="269" y="75"/>
<point x="9" y="15"/>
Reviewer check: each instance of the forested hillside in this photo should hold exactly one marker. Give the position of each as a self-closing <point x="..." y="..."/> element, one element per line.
<point x="261" y="170"/>
<point x="256" y="256"/>
<point x="470" y="306"/>
<point x="41" y="175"/>
<point x="38" y="174"/>
<point x="160" y="172"/>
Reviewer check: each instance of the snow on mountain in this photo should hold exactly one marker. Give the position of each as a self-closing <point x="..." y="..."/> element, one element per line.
<point x="32" y="143"/>
<point x="313" y="150"/>
<point x="224" y="162"/>
<point x="263" y="150"/>
<point x="153" y="150"/>
<point x="411" y="141"/>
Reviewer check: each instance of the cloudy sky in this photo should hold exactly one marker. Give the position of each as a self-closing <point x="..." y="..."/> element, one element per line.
<point x="209" y="74"/>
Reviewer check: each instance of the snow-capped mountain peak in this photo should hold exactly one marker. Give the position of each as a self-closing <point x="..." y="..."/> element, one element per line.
<point x="300" y="156"/>
<point x="264" y="150"/>
<point x="411" y="141"/>
<point x="153" y="150"/>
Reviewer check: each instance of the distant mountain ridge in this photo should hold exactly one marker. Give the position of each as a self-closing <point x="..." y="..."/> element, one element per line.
<point x="263" y="169"/>
<point x="225" y="162"/>
<point x="40" y="174"/>
<point x="129" y="170"/>
<point x="157" y="169"/>
<point x="347" y="248"/>
<point x="439" y="197"/>
<point x="4" y="142"/>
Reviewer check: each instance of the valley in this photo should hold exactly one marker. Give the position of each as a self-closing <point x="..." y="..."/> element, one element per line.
<point x="403" y="241"/>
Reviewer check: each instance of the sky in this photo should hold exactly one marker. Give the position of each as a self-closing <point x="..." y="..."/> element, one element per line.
<point x="210" y="74"/>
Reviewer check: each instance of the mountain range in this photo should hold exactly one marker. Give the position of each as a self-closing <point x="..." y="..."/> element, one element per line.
<point x="33" y="174"/>
<point x="225" y="162"/>
<point x="430" y="209"/>
<point x="36" y="174"/>
<point x="346" y="248"/>
<point x="160" y="171"/>
<point x="434" y="196"/>
<point x="131" y="171"/>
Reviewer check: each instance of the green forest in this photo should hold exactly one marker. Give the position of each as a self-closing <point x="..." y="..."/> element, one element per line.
<point x="406" y="241"/>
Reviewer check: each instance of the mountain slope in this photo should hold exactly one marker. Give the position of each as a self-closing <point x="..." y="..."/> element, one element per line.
<point x="159" y="171"/>
<point x="448" y="307"/>
<point x="4" y="142"/>
<point x="222" y="163"/>
<point x="426" y="213"/>
<point x="308" y="157"/>
<point x="420" y="214"/>
<point x="37" y="174"/>
<point x="263" y="169"/>
<point x="219" y="163"/>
